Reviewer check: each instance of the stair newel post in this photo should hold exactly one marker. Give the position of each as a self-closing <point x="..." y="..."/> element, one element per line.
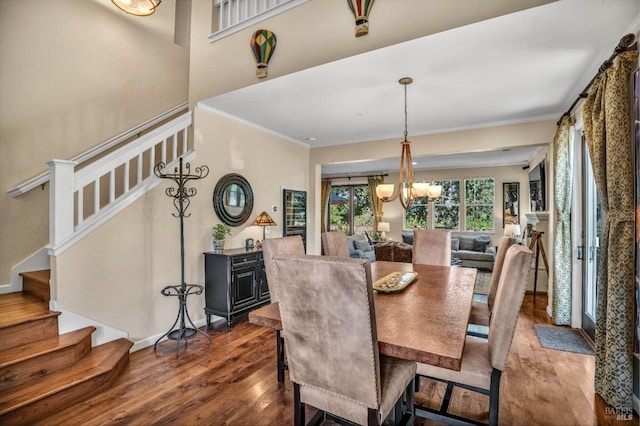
<point x="181" y="194"/>
<point x="61" y="209"/>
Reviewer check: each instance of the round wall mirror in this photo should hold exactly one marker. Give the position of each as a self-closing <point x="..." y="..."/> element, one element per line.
<point x="233" y="199"/>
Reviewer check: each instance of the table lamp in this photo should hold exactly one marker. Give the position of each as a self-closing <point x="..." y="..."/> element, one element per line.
<point x="263" y="220"/>
<point x="383" y="227"/>
<point x="512" y="230"/>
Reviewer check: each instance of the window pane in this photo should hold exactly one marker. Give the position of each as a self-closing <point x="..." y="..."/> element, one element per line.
<point x="339" y="209"/>
<point x="417" y="216"/>
<point x="479" y="200"/>
<point x="447" y="206"/>
<point x="362" y="212"/>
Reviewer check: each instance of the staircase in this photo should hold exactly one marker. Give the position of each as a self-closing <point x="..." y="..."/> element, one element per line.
<point x="41" y="371"/>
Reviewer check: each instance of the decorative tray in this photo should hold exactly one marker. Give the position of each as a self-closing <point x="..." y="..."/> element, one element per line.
<point x="395" y="281"/>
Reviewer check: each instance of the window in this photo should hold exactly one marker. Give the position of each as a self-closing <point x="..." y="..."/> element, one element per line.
<point x="446" y="208"/>
<point x="350" y="209"/>
<point x="479" y="199"/>
<point x="417" y="217"/>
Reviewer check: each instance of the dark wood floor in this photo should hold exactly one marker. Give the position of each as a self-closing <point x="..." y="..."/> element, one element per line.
<point x="233" y="382"/>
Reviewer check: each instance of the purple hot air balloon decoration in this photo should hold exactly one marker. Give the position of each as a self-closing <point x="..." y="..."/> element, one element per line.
<point x="263" y="44"/>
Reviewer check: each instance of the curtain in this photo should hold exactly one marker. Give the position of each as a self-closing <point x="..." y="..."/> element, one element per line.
<point x="561" y="308"/>
<point x="325" y="191"/>
<point x="608" y="131"/>
<point x="376" y="203"/>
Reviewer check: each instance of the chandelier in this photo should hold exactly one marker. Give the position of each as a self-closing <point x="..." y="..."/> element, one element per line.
<point x="408" y="189"/>
<point x="137" y="7"/>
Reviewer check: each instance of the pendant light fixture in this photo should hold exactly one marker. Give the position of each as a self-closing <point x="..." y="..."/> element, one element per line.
<point x="137" y="7"/>
<point x="408" y="189"/>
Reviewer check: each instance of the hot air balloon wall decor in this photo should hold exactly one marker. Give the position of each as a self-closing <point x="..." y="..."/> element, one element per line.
<point x="361" y="9"/>
<point x="263" y="44"/>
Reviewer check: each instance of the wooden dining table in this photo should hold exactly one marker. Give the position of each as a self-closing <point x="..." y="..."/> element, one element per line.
<point x="425" y="322"/>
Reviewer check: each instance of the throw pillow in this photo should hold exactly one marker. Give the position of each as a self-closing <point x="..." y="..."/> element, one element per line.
<point x="362" y="245"/>
<point x="455" y="244"/>
<point x="466" y="243"/>
<point x="481" y="243"/>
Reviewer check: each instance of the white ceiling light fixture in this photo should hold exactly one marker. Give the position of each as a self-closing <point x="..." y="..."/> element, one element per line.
<point x="408" y="189"/>
<point x="137" y="7"/>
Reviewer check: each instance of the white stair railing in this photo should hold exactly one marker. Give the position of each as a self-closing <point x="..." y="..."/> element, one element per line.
<point x="234" y="15"/>
<point x="80" y="201"/>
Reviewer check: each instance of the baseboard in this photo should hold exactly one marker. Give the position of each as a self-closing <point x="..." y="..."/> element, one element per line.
<point x="69" y="321"/>
<point x="151" y="340"/>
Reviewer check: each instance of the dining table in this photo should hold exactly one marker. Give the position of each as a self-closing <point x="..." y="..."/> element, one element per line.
<point x="425" y="322"/>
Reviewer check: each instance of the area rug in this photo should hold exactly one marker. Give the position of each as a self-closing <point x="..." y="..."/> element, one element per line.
<point x="562" y="339"/>
<point x="483" y="280"/>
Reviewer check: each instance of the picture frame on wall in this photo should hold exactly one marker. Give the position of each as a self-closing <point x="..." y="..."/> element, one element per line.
<point x="511" y="198"/>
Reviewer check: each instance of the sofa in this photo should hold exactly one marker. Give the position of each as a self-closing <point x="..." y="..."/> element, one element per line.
<point x="474" y="251"/>
<point x="359" y="248"/>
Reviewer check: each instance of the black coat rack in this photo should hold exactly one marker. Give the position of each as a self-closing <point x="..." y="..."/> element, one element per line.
<point x="185" y="328"/>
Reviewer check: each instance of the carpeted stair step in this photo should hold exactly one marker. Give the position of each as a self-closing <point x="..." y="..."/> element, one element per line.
<point x="32" y="361"/>
<point x="92" y="374"/>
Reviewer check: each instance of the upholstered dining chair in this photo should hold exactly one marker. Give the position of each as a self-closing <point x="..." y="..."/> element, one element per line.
<point x="480" y="309"/>
<point x="432" y="247"/>
<point x="328" y="316"/>
<point x="484" y="360"/>
<point x="334" y="243"/>
<point x="271" y="248"/>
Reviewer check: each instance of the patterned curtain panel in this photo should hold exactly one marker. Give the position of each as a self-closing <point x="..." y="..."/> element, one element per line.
<point x="376" y="203"/>
<point x="561" y="308"/>
<point x="608" y="131"/>
<point x="325" y="190"/>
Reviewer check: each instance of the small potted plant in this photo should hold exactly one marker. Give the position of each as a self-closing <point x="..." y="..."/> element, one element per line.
<point x="219" y="232"/>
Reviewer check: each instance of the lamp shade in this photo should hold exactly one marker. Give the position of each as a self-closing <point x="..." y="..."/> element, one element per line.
<point x="383" y="227"/>
<point x="512" y="230"/>
<point x="263" y="220"/>
<point x="137" y="7"/>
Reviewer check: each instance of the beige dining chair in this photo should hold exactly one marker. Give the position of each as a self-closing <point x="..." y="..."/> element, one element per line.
<point x="334" y="243"/>
<point x="483" y="360"/>
<point x="432" y="247"/>
<point x="480" y="309"/>
<point x="271" y="248"/>
<point x="328" y="316"/>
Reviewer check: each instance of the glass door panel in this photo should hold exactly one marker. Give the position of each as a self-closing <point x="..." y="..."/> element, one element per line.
<point x="593" y="220"/>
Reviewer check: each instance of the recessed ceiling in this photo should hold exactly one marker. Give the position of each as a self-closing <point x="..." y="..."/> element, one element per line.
<point x="522" y="67"/>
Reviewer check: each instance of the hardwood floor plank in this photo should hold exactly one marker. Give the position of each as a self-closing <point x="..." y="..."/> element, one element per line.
<point x="233" y="382"/>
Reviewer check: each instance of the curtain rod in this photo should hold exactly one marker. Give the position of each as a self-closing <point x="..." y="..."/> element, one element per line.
<point x="625" y="44"/>
<point x="355" y="176"/>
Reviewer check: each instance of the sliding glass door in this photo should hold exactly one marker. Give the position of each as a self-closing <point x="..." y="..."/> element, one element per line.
<point x="592" y="222"/>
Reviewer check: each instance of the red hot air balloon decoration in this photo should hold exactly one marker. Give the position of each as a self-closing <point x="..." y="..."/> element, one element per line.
<point x="361" y="9"/>
<point x="263" y="44"/>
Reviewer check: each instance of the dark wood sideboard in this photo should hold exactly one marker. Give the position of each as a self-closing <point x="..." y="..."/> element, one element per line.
<point x="234" y="282"/>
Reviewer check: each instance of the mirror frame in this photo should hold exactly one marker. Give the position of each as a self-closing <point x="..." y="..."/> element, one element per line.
<point x="218" y="199"/>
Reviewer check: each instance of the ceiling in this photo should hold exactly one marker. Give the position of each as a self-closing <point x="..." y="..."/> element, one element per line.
<point x="522" y="67"/>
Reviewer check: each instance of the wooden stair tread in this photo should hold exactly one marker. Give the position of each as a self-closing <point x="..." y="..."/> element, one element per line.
<point x="41" y="347"/>
<point x="18" y="308"/>
<point x="100" y="361"/>
<point x="42" y="277"/>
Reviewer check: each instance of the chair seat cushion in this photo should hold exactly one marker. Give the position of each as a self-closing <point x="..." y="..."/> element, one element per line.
<point x="395" y="376"/>
<point x="479" y="313"/>
<point x="475" y="370"/>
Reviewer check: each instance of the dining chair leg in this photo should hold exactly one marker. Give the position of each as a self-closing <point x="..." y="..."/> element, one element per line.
<point x="298" y="407"/>
<point x="280" y="362"/>
<point x="494" y="397"/>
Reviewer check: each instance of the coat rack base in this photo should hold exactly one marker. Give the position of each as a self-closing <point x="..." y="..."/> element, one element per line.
<point x="183" y="327"/>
